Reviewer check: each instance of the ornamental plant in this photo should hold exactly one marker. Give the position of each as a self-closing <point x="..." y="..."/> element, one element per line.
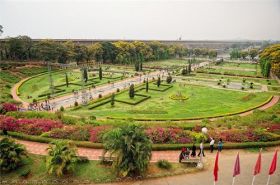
<point x="62" y="157"/>
<point x="11" y="154"/>
<point x="7" y="107"/>
<point x="132" y="148"/>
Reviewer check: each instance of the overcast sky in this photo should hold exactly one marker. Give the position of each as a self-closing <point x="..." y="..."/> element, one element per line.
<point x="142" y="19"/>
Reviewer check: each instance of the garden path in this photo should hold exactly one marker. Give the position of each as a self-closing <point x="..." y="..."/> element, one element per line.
<point x="69" y="100"/>
<point x="226" y="161"/>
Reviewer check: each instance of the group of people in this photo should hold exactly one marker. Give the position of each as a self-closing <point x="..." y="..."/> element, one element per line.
<point x="186" y="153"/>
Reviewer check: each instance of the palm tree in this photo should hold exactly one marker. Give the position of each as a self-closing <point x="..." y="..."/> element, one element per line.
<point x="132" y="149"/>
<point x="11" y="154"/>
<point x="61" y="157"/>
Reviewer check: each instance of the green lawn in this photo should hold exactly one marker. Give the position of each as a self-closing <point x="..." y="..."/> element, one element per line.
<point x="85" y="172"/>
<point x="39" y="85"/>
<point x="201" y="102"/>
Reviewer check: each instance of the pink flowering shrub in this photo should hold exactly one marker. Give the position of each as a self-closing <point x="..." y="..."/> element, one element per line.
<point x="8" y="123"/>
<point x="97" y="132"/>
<point x="168" y="135"/>
<point x="7" y="107"/>
<point x="249" y="135"/>
<point x="78" y="133"/>
<point x="28" y="126"/>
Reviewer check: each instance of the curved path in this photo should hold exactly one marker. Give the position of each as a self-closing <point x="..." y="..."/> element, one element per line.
<point x="226" y="161"/>
<point x="70" y="99"/>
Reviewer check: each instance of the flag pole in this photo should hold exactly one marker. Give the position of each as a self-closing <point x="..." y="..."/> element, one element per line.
<point x="268" y="180"/>
<point x="233" y="180"/>
<point x="253" y="180"/>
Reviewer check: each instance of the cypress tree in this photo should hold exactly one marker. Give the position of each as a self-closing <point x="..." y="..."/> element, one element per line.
<point x="158" y="81"/>
<point x="131" y="91"/>
<point x="100" y="73"/>
<point x="147" y="85"/>
<point x="66" y="80"/>
<point x="113" y="100"/>
<point x="85" y="75"/>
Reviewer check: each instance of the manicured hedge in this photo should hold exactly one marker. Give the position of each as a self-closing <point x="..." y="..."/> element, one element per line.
<point x="161" y="90"/>
<point x="135" y="103"/>
<point x="99" y="104"/>
<point x="155" y="147"/>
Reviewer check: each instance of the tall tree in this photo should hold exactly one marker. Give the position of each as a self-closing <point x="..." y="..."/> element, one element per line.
<point x="100" y="73"/>
<point x="131" y="91"/>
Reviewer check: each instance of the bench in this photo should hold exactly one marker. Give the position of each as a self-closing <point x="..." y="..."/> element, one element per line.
<point x="196" y="161"/>
<point x="107" y="159"/>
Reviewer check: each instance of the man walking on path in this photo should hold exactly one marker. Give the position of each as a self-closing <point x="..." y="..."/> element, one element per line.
<point x="212" y="142"/>
<point x="201" y="151"/>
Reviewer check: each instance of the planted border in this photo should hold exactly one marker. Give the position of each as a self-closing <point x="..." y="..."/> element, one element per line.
<point x="155" y="147"/>
<point x="135" y="103"/>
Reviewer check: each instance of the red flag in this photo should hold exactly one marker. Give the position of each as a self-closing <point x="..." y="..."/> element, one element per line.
<point x="273" y="164"/>
<point x="236" y="170"/>
<point x="216" y="167"/>
<point x="258" y="165"/>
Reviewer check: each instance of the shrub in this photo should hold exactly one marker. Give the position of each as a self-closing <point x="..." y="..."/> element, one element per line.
<point x="169" y="79"/>
<point x="61" y="108"/>
<point x="61" y="158"/>
<point x="99" y="95"/>
<point x="164" y="164"/>
<point x="96" y="133"/>
<point x="168" y="135"/>
<point x="131" y="91"/>
<point x="77" y="133"/>
<point x="28" y="126"/>
<point x="76" y="104"/>
<point x="11" y="154"/>
<point x="7" y="107"/>
<point x="133" y="150"/>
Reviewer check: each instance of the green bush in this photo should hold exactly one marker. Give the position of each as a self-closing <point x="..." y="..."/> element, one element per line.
<point x="61" y="158"/>
<point x="11" y="154"/>
<point x="133" y="150"/>
<point x="164" y="164"/>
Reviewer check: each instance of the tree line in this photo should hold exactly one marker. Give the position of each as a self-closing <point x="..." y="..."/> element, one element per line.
<point x="243" y="54"/>
<point x="270" y="60"/>
<point x="119" y="52"/>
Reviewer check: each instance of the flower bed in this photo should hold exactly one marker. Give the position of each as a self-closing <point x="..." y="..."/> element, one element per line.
<point x="28" y="126"/>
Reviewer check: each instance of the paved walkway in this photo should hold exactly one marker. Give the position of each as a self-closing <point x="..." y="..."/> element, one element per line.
<point x="70" y="99"/>
<point x="93" y="154"/>
<point x="226" y="162"/>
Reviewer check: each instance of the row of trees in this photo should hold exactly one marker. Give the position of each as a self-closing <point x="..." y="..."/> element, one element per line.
<point x="23" y="48"/>
<point x="270" y="60"/>
<point x="243" y="54"/>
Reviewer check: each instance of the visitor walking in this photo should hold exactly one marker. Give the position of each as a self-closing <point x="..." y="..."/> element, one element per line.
<point x="212" y="142"/>
<point x="201" y="149"/>
<point x="220" y="145"/>
<point x="193" y="154"/>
